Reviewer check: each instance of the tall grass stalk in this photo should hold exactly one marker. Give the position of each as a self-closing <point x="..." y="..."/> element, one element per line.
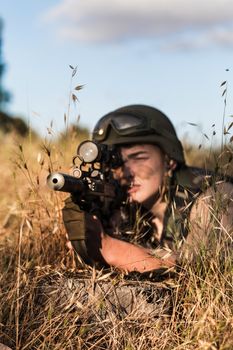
<point x="224" y="95"/>
<point x="18" y="284"/>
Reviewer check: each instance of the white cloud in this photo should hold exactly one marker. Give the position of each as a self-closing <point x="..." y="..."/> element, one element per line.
<point x="117" y="20"/>
<point x="218" y="36"/>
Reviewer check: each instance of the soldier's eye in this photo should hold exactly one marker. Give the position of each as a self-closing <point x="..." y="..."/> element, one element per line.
<point x="141" y="157"/>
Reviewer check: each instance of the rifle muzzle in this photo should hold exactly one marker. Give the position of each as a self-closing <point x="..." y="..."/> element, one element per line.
<point x="65" y="183"/>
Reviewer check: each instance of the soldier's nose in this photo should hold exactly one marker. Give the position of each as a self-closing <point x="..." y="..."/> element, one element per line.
<point x="128" y="172"/>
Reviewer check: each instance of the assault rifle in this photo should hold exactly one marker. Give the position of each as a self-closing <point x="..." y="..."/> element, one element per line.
<point x="93" y="186"/>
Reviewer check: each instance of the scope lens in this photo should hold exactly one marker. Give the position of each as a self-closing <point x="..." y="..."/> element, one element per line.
<point x="88" y="150"/>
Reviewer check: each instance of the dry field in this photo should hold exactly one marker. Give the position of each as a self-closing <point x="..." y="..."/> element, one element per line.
<point x="198" y="314"/>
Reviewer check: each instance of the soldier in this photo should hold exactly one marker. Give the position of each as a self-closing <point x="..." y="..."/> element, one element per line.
<point x="179" y="206"/>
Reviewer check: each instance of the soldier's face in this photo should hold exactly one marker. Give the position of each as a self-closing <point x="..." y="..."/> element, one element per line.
<point x="144" y="168"/>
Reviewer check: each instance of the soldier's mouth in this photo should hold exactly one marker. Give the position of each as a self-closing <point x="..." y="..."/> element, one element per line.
<point x="133" y="188"/>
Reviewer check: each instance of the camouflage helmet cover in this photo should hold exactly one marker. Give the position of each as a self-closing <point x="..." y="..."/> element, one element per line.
<point x="139" y="124"/>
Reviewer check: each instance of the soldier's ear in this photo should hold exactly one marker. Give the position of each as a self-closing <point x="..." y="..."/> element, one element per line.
<point x="170" y="165"/>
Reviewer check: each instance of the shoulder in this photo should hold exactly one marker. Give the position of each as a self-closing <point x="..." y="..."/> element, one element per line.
<point x="205" y="187"/>
<point x="211" y="216"/>
<point x="215" y="196"/>
<point x="213" y="208"/>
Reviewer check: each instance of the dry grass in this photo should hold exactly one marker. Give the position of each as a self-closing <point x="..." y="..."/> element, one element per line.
<point x="40" y="306"/>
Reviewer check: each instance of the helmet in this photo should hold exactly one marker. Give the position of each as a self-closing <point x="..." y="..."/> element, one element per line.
<point x="139" y="124"/>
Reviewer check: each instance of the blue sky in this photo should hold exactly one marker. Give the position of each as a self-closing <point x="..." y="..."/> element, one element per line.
<point x="170" y="54"/>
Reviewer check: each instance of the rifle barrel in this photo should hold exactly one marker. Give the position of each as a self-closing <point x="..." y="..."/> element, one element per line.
<point x="64" y="182"/>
